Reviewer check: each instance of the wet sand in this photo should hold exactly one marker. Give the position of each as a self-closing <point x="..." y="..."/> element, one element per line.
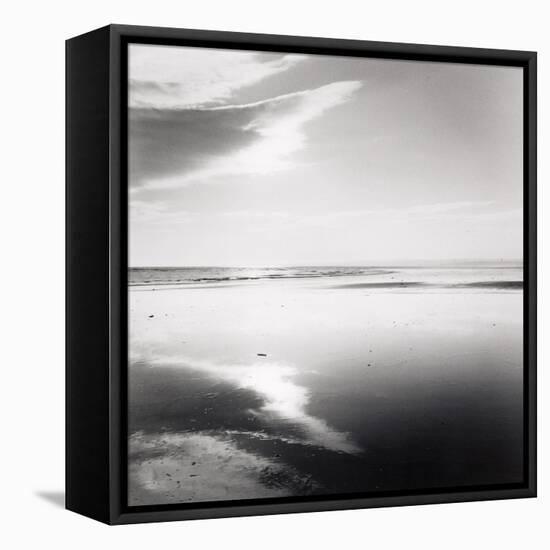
<point x="270" y="388"/>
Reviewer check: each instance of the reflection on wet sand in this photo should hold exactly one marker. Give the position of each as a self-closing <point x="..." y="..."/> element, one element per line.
<point x="282" y="397"/>
<point x="170" y="468"/>
<point x="297" y="387"/>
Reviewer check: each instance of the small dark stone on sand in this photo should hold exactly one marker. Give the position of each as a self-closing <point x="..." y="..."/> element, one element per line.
<point x="151" y="316"/>
<point x="193" y="463"/>
<point x="261" y="354"/>
<point x="193" y="475"/>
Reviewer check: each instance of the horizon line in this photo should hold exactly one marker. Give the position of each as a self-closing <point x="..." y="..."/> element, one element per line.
<point x="396" y="263"/>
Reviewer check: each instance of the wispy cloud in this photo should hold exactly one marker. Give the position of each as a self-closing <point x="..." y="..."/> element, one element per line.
<point x="419" y="212"/>
<point x="161" y="213"/>
<point x="175" y="147"/>
<point x="175" y="77"/>
<point x="445" y="207"/>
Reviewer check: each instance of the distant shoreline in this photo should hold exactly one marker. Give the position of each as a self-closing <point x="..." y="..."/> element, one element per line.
<point x="502" y="278"/>
<point x="500" y="285"/>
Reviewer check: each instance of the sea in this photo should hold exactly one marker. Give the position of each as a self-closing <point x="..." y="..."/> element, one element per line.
<point x="504" y="276"/>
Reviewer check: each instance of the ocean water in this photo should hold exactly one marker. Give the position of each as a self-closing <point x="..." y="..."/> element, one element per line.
<point x="175" y="275"/>
<point x="249" y="383"/>
<point x="436" y="276"/>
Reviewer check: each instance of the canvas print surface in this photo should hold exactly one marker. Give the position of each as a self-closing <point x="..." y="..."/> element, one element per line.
<point x="325" y="281"/>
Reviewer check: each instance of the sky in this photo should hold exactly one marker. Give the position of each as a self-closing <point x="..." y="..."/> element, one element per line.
<point x="242" y="158"/>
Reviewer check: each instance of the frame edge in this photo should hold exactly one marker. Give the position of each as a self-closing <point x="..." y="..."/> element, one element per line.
<point x="117" y="514"/>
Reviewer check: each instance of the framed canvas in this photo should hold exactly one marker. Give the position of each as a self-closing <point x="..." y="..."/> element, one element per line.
<point x="301" y="274"/>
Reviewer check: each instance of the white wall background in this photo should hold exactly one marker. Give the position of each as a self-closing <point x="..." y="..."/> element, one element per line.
<point x="32" y="272"/>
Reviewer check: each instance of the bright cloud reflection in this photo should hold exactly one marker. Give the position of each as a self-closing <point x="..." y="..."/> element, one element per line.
<point x="283" y="397"/>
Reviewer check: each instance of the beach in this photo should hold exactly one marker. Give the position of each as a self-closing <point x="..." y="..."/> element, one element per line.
<point x="284" y="382"/>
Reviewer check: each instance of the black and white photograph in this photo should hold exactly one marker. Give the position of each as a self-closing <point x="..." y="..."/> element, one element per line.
<point x="274" y="275"/>
<point x="325" y="275"/>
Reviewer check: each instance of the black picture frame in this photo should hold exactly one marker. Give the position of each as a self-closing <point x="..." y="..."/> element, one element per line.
<point x="96" y="270"/>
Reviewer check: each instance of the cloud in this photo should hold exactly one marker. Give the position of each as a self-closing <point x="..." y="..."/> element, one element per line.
<point x="174" y="147"/>
<point x="176" y="77"/>
<point x="444" y="207"/>
<point x="418" y="213"/>
<point x="162" y="213"/>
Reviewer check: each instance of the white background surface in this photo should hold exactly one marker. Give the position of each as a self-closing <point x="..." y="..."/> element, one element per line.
<point x="32" y="272"/>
